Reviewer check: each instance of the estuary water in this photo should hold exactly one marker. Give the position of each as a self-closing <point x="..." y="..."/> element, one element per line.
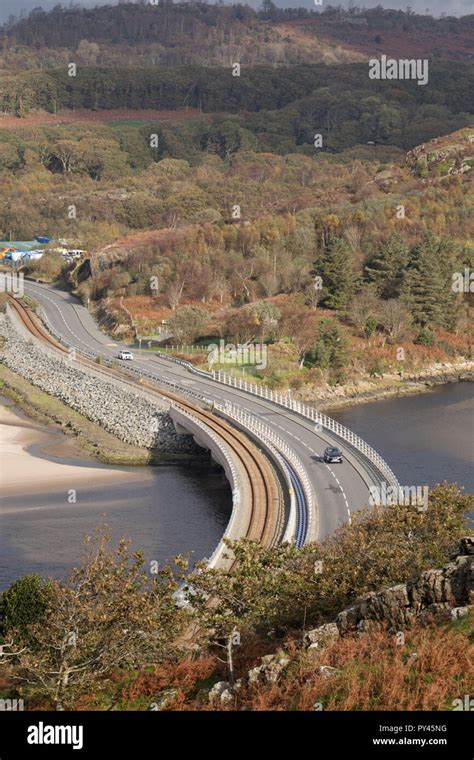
<point x="426" y="438"/>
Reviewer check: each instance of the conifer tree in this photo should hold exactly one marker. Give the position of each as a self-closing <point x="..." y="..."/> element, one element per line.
<point x="428" y="283"/>
<point x="386" y="268"/>
<point x="336" y="269"/>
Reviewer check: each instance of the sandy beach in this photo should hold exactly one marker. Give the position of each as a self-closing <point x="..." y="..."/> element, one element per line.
<point x="22" y="471"/>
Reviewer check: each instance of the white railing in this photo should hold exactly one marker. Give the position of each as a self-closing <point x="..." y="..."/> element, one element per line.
<point x="279" y="447"/>
<point x="284" y="399"/>
<point x="319" y="419"/>
<point x="281" y="450"/>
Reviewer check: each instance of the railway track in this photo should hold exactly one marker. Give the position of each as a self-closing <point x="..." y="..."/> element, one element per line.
<point x="266" y="514"/>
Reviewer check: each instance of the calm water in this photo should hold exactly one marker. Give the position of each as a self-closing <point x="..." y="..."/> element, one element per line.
<point x="166" y="511"/>
<point x="426" y="438"/>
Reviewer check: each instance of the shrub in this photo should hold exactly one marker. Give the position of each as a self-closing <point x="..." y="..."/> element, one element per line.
<point x="425" y="338"/>
<point x="23" y="604"/>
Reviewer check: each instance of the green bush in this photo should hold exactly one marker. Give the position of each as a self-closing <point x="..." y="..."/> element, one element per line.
<point x="421" y="169"/>
<point x="425" y="338"/>
<point x="23" y="604"/>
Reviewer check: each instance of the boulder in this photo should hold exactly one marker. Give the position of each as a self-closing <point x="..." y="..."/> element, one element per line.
<point x="270" y="671"/>
<point x="222" y="692"/>
<point x="319" y="636"/>
<point x="163" y="699"/>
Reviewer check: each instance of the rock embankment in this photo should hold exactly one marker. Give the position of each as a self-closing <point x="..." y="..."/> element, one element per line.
<point x="129" y="416"/>
<point x="328" y="397"/>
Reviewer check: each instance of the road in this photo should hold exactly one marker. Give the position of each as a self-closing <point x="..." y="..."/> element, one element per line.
<point x="339" y="488"/>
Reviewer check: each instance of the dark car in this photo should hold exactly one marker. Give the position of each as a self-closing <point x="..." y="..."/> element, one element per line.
<point x="332" y="454"/>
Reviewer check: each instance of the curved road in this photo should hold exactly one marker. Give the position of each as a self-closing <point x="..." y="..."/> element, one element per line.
<point x="339" y="488"/>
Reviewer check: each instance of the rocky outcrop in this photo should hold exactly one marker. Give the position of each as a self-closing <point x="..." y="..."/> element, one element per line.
<point x="435" y="596"/>
<point x="222" y="692"/>
<point x="444" y="156"/>
<point x="131" y="417"/>
<point x="163" y="700"/>
<point x="270" y="671"/>
<point x="318" y="637"/>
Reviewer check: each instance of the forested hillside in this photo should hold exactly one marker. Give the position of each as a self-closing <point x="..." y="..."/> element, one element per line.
<point x="184" y="33"/>
<point x="266" y="183"/>
<point x="284" y="112"/>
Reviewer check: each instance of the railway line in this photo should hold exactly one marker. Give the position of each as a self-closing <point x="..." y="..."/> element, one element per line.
<point x="265" y="519"/>
<point x="332" y="493"/>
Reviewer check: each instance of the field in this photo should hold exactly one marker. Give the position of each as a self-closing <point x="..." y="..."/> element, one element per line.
<point x="116" y="116"/>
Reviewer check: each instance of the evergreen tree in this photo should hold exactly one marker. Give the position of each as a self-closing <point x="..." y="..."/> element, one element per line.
<point x="336" y="269"/>
<point x="331" y="351"/>
<point x="428" y="283"/>
<point x="451" y="261"/>
<point x="387" y="266"/>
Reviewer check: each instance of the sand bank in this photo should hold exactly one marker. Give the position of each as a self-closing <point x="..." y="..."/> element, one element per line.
<point x="22" y="471"/>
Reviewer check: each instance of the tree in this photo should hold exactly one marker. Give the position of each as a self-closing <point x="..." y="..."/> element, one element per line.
<point x="336" y="269"/>
<point x="271" y="591"/>
<point x="241" y="325"/>
<point x="394" y="317"/>
<point x="267" y="316"/>
<point x="386" y="268"/>
<point x="9" y="158"/>
<point x="65" y="155"/>
<point x="364" y="309"/>
<point x="110" y="615"/>
<point x="88" y="52"/>
<point x="49" y="266"/>
<point x="102" y="158"/>
<point x="428" y="283"/>
<point x="188" y="323"/>
<point x="331" y="351"/>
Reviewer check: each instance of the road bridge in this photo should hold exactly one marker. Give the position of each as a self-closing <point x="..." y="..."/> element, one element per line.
<point x="339" y="489"/>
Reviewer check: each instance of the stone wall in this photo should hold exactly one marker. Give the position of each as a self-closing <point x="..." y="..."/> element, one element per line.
<point x="129" y="415"/>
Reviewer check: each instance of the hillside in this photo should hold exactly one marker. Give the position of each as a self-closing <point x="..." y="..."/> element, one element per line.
<point x="397" y="33"/>
<point x="376" y="224"/>
<point x="172" y="34"/>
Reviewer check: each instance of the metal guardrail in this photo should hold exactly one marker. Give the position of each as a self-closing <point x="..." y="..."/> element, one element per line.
<point x="285" y="400"/>
<point x="301" y="520"/>
<point x="302" y="514"/>
<point x="187" y="365"/>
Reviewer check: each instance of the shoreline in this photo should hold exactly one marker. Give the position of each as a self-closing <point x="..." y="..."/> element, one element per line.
<point x="52" y="467"/>
<point x="391" y="386"/>
<point x="82" y="437"/>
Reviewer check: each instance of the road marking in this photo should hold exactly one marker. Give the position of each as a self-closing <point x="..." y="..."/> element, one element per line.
<point x="187" y="382"/>
<point x="342" y="491"/>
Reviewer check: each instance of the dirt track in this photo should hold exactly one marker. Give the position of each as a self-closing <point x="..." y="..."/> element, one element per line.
<point x="42" y="118"/>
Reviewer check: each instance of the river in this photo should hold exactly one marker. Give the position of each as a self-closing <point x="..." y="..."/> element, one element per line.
<point x="165" y="510"/>
<point x="426" y="438"/>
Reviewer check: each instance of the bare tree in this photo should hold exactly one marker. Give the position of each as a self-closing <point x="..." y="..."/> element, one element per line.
<point x="394" y="317"/>
<point x="173" y="293"/>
